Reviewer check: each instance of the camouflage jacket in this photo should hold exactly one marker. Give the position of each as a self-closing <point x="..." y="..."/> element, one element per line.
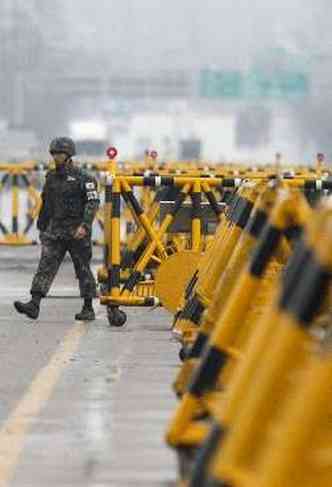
<point x="68" y="201"/>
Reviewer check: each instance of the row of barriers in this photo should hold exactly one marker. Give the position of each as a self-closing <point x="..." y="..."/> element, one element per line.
<point x="176" y="220"/>
<point x="20" y="188"/>
<point x="20" y="185"/>
<point x="241" y="257"/>
<point x="157" y="218"/>
<point x="254" y="326"/>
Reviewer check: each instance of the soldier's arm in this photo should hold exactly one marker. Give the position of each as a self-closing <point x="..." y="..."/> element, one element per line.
<point x="91" y="196"/>
<point x="44" y="216"/>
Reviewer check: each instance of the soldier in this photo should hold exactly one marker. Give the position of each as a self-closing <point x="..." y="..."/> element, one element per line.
<point x="69" y="204"/>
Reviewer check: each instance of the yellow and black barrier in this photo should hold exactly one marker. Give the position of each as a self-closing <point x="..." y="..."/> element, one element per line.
<point x="226" y="282"/>
<point x="228" y="339"/>
<point x="216" y="259"/>
<point x="203" y="285"/>
<point x="14" y="180"/>
<point x="271" y="387"/>
<point x="234" y="349"/>
<point x="122" y="293"/>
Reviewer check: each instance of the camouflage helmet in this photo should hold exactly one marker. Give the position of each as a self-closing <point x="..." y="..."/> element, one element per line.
<point x="63" y="144"/>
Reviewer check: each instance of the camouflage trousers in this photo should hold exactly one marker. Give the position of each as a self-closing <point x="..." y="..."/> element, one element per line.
<point x="52" y="254"/>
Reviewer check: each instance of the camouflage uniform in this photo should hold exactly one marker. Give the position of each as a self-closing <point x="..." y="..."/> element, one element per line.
<point x="68" y="201"/>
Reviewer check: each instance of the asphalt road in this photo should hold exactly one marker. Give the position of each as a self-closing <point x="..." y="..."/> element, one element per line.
<point x="81" y="404"/>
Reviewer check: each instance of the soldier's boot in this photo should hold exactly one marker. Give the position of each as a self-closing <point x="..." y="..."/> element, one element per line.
<point x="30" y="309"/>
<point x="87" y="313"/>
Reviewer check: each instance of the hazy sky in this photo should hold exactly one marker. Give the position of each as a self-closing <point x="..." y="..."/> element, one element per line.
<point x="101" y="38"/>
<point x="152" y="34"/>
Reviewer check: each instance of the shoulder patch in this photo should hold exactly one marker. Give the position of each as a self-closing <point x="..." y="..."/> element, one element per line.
<point x="90" y="185"/>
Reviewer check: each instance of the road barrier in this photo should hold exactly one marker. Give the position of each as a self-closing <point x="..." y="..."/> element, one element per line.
<point x="214" y="381"/>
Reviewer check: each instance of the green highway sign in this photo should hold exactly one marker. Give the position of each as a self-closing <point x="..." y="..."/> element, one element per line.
<point x="221" y="84"/>
<point x="255" y="84"/>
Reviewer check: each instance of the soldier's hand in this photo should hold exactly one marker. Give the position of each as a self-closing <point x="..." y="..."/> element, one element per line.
<point x="80" y="233"/>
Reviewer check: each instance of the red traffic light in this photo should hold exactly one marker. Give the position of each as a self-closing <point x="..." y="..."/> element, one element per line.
<point x="112" y="152"/>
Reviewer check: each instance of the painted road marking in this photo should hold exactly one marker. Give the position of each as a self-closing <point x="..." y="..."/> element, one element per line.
<point x="15" y="429"/>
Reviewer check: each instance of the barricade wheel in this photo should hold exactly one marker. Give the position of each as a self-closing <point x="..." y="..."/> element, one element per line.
<point x="116" y="317"/>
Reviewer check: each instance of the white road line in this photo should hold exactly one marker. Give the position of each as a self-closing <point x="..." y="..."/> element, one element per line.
<point x="15" y="429"/>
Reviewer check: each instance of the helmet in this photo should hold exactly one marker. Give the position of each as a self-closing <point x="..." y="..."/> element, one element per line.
<point x="63" y="144"/>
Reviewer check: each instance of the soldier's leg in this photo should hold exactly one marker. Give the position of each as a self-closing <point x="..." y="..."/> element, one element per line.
<point x="81" y="253"/>
<point x="52" y="255"/>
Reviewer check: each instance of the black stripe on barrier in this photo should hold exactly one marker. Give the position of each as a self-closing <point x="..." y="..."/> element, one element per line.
<point x="267" y="245"/>
<point x="159" y="195"/>
<point x="167" y="180"/>
<point x="193" y="310"/>
<point x="205" y="454"/>
<point x="130" y="256"/>
<point x="125" y="197"/>
<point x="306" y="300"/>
<point x="197" y="312"/>
<point x="198" y="346"/>
<point x="228" y="197"/>
<point x="177" y="203"/>
<point x="206" y="375"/>
<point x="196" y="198"/>
<point x="318" y="184"/>
<point x="4" y="179"/>
<point x="127" y="259"/>
<point x="231" y="208"/>
<point x="293" y="232"/>
<point x="132" y="280"/>
<point x="3" y="228"/>
<point x="190" y="286"/>
<point x="156" y="180"/>
<point x="134" y="203"/>
<point x="29" y="225"/>
<point x="186" y="312"/>
<point x="241" y="213"/>
<point x="109" y="276"/>
<point x="25" y="180"/>
<point x="288" y="175"/>
<point x="295" y="267"/>
<point x="256" y="223"/>
<point x="108" y="194"/>
<point x="213" y="202"/>
<point x="309" y="185"/>
<point x="116" y="205"/>
<point x="105" y="254"/>
<point x="14" y="224"/>
<point x="228" y="182"/>
<point x="327" y="184"/>
<point x="149" y="180"/>
<point x="115" y="276"/>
